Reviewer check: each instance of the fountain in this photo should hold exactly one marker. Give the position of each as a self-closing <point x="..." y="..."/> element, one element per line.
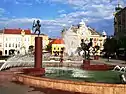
<point x="72" y="37"/>
<point x="64" y="78"/>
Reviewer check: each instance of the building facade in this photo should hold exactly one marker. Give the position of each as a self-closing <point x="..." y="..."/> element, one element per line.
<point x="1" y="43"/>
<point x="17" y="41"/>
<point x="73" y="35"/>
<point x="45" y="39"/>
<point x="56" y="46"/>
<point x="120" y="22"/>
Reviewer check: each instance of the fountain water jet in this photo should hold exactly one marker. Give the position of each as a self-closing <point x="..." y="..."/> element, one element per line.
<point x="121" y="69"/>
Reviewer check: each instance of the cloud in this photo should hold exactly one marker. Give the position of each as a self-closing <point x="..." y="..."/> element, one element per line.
<point x="2" y="11"/>
<point x="61" y="11"/>
<point x="47" y="25"/>
<point x="23" y="2"/>
<point x="97" y="13"/>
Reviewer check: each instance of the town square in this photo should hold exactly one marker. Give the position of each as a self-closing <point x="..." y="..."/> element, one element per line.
<point x="63" y="47"/>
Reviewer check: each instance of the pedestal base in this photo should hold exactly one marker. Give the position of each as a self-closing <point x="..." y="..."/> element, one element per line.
<point x="96" y="57"/>
<point x="86" y="62"/>
<point x="34" y="71"/>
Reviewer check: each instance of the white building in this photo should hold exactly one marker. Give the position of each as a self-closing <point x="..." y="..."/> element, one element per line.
<point x="14" y="41"/>
<point x="1" y="43"/>
<point x="72" y="37"/>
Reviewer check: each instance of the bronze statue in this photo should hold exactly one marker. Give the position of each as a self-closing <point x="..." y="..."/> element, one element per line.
<point x="37" y="27"/>
<point x="85" y="47"/>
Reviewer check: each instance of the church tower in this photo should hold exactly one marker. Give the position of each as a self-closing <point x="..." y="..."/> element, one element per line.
<point x="118" y="7"/>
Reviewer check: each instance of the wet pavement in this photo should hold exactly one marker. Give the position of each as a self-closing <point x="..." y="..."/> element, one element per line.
<point x="9" y="87"/>
<point x="14" y="88"/>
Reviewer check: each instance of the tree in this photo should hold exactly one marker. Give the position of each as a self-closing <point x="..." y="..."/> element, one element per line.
<point x="49" y="48"/>
<point x="110" y="45"/>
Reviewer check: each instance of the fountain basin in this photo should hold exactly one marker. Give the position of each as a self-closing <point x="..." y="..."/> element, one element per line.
<point x="73" y="86"/>
<point x="76" y="74"/>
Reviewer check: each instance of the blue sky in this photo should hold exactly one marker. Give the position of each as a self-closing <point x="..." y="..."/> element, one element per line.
<point x="54" y="14"/>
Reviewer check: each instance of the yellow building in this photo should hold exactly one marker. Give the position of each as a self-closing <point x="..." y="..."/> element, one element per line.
<point x="56" y="46"/>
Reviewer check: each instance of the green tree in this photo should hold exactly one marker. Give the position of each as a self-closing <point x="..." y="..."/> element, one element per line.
<point x="49" y="48"/>
<point x="110" y="46"/>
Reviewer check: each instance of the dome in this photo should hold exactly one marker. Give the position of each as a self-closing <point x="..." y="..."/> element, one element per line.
<point x="118" y="8"/>
<point x="82" y="22"/>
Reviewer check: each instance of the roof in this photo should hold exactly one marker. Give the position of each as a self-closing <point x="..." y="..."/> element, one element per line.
<point x="16" y="31"/>
<point x="40" y="34"/>
<point x="56" y="41"/>
<point x="93" y="32"/>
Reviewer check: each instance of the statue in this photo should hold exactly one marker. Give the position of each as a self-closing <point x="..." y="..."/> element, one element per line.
<point x="37" y="27"/>
<point x="85" y="47"/>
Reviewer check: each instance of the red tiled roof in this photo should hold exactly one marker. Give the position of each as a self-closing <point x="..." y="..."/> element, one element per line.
<point x="56" y="41"/>
<point x="16" y="31"/>
<point x="40" y="34"/>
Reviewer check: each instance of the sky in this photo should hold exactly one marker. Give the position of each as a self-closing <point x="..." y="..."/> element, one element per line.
<point x="54" y="15"/>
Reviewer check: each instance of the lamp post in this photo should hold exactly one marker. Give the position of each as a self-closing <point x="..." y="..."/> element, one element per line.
<point x="61" y="55"/>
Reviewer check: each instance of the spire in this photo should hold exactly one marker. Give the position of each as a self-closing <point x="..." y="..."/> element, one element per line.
<point x="104" y="33"/>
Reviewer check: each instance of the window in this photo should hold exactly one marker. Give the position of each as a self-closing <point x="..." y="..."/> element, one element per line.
<point x="16" y="46"/>
<point x="13" y="44"/>
<point x="6" y="39"/>
<point x="6" y="44"/>
<point x="9" y="45"/>
<point x="5" y="51"/>
<point x="0" y="44"/>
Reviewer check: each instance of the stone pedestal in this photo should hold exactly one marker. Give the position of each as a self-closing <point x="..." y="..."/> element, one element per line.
<point x="37" y="70"/>
<point x="38" y="52"/>
<point x="86" y="62"/>
<point x="96" y="57"/>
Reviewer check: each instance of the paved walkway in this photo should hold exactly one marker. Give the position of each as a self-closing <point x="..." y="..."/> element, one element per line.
<point x="9" y="87"/>
<point x="111" y="62"/>
<point x="14" y="88"/>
